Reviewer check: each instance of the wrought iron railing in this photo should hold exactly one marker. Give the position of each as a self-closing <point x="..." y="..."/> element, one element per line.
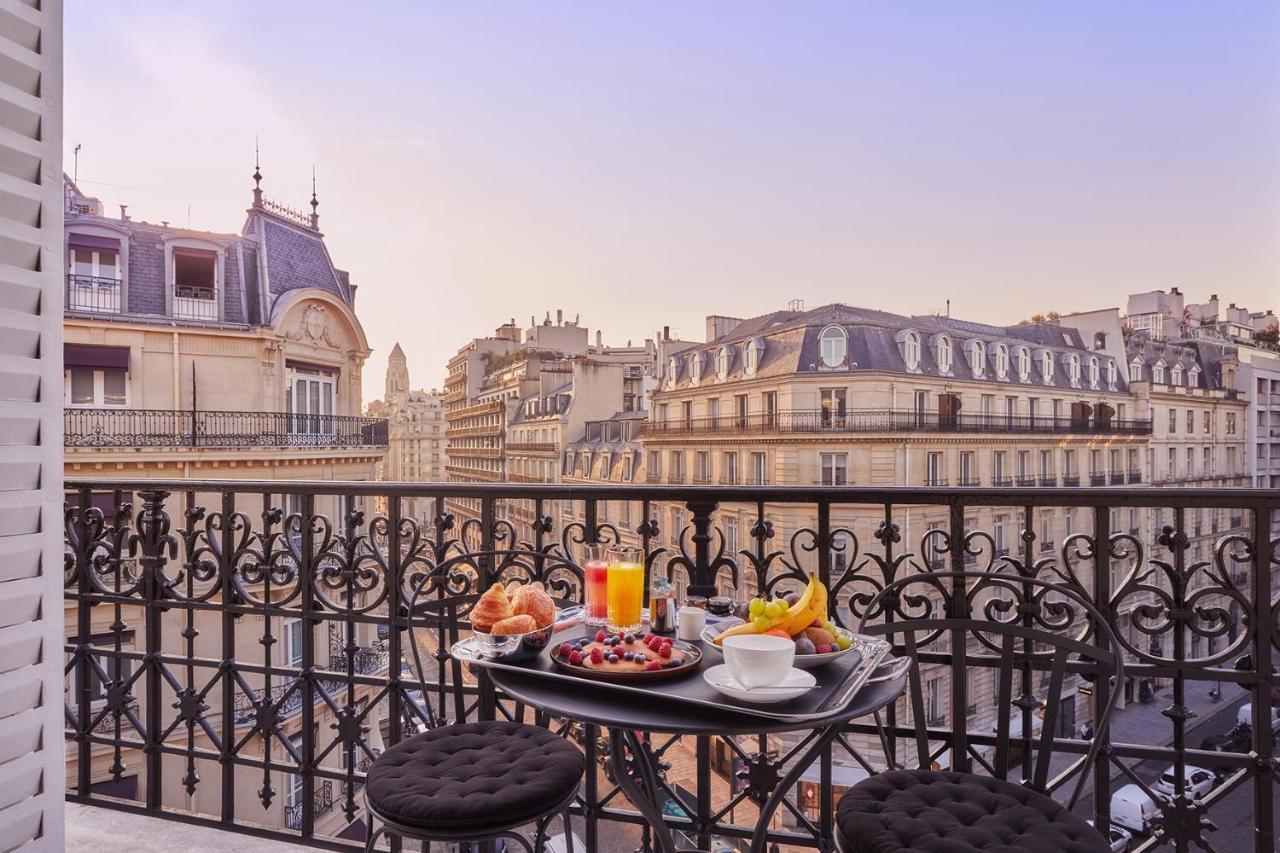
<point x="321" y="802"/>
<point x="196" y="582"/>
<point x="109" y="427"/>
<point x="893" y="420"/>
<point x="95" y="294"/>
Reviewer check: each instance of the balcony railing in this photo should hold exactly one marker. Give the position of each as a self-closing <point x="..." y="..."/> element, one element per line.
<point x="188" y="591"/>
<point x="532" y="447"/>
<point x="893" y="420"/>
<point x="321" y="802"/>
<point x="1134" y="476"/>
<point x="94" y="294"/>
<point x="108" y="427"/>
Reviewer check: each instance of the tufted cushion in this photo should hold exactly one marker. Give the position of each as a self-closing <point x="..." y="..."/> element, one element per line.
<point x="473" y="776"/>
<point x="921" y="811"/>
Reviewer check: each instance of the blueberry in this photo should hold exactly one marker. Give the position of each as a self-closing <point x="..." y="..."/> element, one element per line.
<point x="667" y="664"/>
<point x="629" y="639"/>
<point x="612" y="658"/>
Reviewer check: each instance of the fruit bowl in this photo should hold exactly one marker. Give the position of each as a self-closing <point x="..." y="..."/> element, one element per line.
<point x="710" y="632"/>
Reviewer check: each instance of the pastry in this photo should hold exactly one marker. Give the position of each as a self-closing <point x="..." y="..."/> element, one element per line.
<point x="533" y="600"/>
<point x="491" y="608"/>
<point x="521" y="623"/>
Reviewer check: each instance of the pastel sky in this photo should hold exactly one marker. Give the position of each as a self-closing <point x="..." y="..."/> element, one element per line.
<point x="649" y="164"/>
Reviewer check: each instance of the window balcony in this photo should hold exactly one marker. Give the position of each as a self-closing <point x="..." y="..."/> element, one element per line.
<point x="1116" y="478"/>
<point x="201" y="602"/>
<point x="1026" y="482"/>
<point x="1097" y="479"/>
<point x="195" y="303"/>
<point x="810" y="421"/>
<point x="969" y="482"/>
<point x="137" y="428"/>
<point x="93" y="294"/>
<point x="1048" y="482"/>
<point x="1070" y="480"/>
<point x="1001" y="482"/>
<point x="1134" y="476"/>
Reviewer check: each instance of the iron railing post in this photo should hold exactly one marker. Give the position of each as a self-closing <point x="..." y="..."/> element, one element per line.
<point x="702" y="581"/>
<point x="1264" y="786"/>
<point x="154" y="540"/>
<point x="306" y="577"/>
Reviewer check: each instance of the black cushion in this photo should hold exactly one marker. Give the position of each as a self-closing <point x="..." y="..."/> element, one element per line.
<point x="473" y="776"/>
<point x="922" y="811"/>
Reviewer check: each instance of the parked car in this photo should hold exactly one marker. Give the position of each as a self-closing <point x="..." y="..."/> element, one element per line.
<point x="1245" y="717"/>
<point x="1239" y="739"/>
<point x="1198" y="782"/>
<point x="1133" y="810"/>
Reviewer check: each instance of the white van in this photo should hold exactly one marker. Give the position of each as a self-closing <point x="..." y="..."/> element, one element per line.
<point x="1245" y="716"/>
<point x="1133" y="809"/>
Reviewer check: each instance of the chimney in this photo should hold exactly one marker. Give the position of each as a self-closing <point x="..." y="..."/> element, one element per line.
<point x="559" y="317"/>
<point x="1213" y="297"/>
<point x="666" y="333"/>
<point x="600" y="338"/>
<point x="124" y="213"/>
<point x="1173" y="291"/>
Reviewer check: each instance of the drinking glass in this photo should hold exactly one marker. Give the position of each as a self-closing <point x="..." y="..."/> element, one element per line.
<point x="625" y="588"/>
<point x="595" y="596"/>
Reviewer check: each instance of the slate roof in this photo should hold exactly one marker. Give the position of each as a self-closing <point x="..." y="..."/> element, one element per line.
<point x="791" y="345"/>
<point x="293" y="255"/>
<point x="1207" y="357"/>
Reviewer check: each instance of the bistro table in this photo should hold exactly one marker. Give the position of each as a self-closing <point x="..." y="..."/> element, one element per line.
<point x="623" y="716"/>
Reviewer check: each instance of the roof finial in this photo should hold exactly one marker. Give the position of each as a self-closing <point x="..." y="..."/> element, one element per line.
<point x="315" y="216"/>
<point x="257" y="176"/>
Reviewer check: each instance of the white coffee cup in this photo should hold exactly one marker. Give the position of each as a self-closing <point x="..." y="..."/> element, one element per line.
<point x="758" y="660"/>
<point x="689" y="623"/>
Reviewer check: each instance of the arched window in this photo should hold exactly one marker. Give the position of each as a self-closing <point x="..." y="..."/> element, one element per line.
<point x="722" y="363"/>
<point x="833" y="346"/>
<point x="944" y="354"/>
<point x="1024" y="364"/>
<point x="695" y="368"/>
<point x="1073" y="368"/>
<point x="673" y="370"/>
<point x="1046" y="366"/>
<point x="911" y="350"/>
<point x="977" y="357"/>
<point x="1002" y="360"/>
<point x="1095" y="372"/>
<point x="753" y="357"/>
<point x="1113" y="374"/>
<point x="1175" y="375"/>
<point x="1135" y="371"/>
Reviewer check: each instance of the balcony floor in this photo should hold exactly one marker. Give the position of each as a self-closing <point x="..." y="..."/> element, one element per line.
<point x="98" y="830"/>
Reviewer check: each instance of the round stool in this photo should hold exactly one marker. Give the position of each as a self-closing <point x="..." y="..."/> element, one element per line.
<point x="474" y="782"/>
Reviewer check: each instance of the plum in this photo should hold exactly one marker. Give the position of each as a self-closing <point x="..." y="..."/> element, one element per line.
<point x="805" y="646"/>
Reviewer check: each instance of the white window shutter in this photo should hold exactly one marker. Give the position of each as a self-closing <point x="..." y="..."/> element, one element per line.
<point x="32" y="762"/>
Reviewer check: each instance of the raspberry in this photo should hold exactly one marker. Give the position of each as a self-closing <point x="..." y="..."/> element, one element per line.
<point x="653" y="665"/>
<point x="649" y="637"/>
<point x="600" y="636"/>
<point x="575" y="657"/>
<point x="665" y="651"/>
<point x="565" y="650"/>
<point x="597" y="655"/>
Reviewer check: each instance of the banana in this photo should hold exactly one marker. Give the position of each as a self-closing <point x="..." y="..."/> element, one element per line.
<point x="742" y="628"/>
<point x="811" y="605"/>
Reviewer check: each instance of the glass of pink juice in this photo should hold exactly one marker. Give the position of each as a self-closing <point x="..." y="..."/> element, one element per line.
<point x="595" y="590"/>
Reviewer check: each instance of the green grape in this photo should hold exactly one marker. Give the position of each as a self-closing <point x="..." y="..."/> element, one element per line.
<point x="774" y="609"/>
<point x="756" y="607"/>
<point x="763" y="623"/>
<point x="842" y="641"/>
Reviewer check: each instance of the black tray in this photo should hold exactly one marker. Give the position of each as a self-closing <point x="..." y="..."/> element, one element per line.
<point x="838" y="681"/>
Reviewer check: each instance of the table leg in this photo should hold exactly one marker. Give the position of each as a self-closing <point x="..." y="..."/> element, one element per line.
<point x="646" y="801"/>
<point x="760" y="838"/>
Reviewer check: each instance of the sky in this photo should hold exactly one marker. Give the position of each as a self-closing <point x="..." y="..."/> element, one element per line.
<point x="647" y="164"/>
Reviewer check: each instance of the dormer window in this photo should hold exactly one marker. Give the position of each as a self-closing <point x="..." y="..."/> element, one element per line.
<point x="1113" y="374"/>
<point x="1175" y="375"/>
<point x="1095" y="372"/>
<point x="195" y="284"/>
<point x="695" y="368"/>
<point x="93" y="274"/>
<point x="673" y="371"/>
<point x="754" y="349"/>
<point x="909" y="343"/>
<point x="1157" y="372"/>
<point x="1002" y="361"/>
<point x="1024" y="364"/>
<point x="977" y="358"/>
<point x="722" y="363"/>
<point x="944" y="354"/>
<point x="1135" y="370"/>
<point x="833" y="346"/>
<point x="1193" y="377"/>
<point x="1046" y="366"/>
<point x="1073" y="368"/>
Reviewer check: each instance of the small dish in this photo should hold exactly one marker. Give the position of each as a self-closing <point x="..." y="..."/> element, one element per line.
<point x="797" y="683"/>
<point x="514" y="647"/>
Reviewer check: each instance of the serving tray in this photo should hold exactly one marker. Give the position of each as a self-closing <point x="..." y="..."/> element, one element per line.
<point x="839" y="681"/>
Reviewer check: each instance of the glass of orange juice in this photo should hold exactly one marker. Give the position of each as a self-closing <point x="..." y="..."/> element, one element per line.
<point x="624" y="587"/>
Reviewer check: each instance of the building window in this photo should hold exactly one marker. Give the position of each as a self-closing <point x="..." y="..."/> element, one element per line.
<point x="1175" y="375"/>
<point x="195" y="277"/>
<point x="1173" y="421"/>
<point x="1157" y="373"/>
<point x="944" y="354"/>
<point x="753" y="357"/>
<point x="833" y="346"/>
<point x="967" y="476"/>
<point x="1206" y="422"/>
<point x="1191" y="421"/>
<point x="1046" y="464"/>
<point x="911" y="350"/>
<point x="677" y="464"/>
<point x="758" y="470"/>
<point x="655" y="463"/>
<point x="722" y="363"/>
<point x="310" y="396"/>
<point x="730" y="471"/>
<point x="93" y="283"/>
<point x="998" y="468"/>
<point x="977" y="357"/>
<point x="1193" y="377"/>
<point x="1002" y="360"/>
<point x="933" y="469"/>
<point x="673" y="371"/>
<point x="1095" y="373"/>
<point x="1024" y="364"/>
<point x="770" y="401"/>
<point x="1073" y="368"/>
<point x="832" y="407"/>
<point x="85" y="386"/>
<point x="695" y="368"/>
<point x="834" y="469"/>
<point x="704" y="466"/>
<point x="1135" y="371"/>
<point x="740" y="411"/>
<point x="1231" y="423"/>
<point x="933" y="702"/>
<point x="686" y="413"/>
<point x="1046" y="367"/>
<point x="291" y="649"/>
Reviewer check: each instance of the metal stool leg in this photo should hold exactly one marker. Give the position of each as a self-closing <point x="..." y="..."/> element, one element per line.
<point x="373" y="838"/>
<point x="568" y="831"/>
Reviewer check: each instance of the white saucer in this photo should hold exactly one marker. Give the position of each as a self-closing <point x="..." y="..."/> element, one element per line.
<point x="797" y="683"/>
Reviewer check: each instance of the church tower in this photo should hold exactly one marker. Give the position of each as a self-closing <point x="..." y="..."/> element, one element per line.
<point x="397" y="376"/>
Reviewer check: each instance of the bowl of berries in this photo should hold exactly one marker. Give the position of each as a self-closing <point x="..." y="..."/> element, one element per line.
<point x="800" y="617"/>
<point x="625" y="657"/>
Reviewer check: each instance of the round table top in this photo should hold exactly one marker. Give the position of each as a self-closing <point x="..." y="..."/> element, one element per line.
<point x="611" y="709"/>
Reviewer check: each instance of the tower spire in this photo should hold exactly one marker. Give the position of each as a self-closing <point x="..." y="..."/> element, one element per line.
<point x="315" y="216"/>
<point x="257" y="176"/>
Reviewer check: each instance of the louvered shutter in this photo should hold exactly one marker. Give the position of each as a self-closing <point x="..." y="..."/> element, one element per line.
<point x="31" y="639"/>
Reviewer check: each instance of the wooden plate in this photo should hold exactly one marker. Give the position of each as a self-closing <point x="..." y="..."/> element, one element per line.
<point x="693" y="657"/>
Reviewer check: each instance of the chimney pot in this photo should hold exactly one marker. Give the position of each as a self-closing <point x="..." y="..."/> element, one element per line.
<point x="666" y="333"/>
<point x="559" y="317"/>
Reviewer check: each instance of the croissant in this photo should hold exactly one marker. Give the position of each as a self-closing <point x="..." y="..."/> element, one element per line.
<point x="520" y="624"/>
<point x="491" y="608"/>
<point x="533" y="599"/>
